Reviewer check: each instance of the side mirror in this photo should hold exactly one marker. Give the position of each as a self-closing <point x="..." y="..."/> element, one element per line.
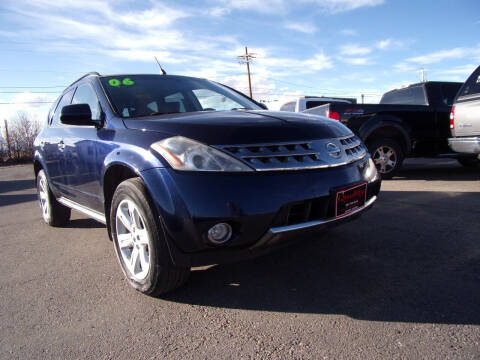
<point x="77" y="114"/>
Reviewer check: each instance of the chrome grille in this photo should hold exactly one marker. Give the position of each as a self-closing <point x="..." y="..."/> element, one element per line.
<point x="352" y="146"/>
<point x="298" y="155"/>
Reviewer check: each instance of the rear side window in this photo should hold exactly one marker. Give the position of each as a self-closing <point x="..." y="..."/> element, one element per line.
<point x="472" y="85"/>
<point x="290" y="106"/>
<point x="312" y="104"/>
<point x="414" y="95"/>
<point x="86" y="95"/>
<point x="449" y="91"/>
<point x="65" y="100"/>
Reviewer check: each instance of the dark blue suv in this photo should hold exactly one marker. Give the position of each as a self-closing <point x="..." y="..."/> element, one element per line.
<point x="187" y="172"/>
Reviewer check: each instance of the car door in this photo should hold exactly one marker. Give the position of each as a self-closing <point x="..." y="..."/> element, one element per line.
<point x="53" y="146"/>
<point x="80" y="167"/>
<point x="467" y="107"/>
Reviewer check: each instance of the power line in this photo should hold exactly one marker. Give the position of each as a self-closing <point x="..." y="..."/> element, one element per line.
<point x="27" y="102"/>
<point x="30" y="92"/>
<point x="33" y="87"/>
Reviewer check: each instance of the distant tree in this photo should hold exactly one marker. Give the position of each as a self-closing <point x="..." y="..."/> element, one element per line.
<point x="3" y="148"/>
<point x="22" y="133"/>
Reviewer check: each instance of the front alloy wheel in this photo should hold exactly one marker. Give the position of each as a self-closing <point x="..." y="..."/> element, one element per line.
<point x="140" y="242"/>
<point x="133" y="239"/>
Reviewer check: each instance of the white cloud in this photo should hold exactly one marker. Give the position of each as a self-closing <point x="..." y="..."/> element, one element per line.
<point x="388" y="43"/>
<point x="336" y="6"/>
<point x="303" y="27"/>
<point x="357" y="61"/>
<point x="348" y="32"/>
<point x="319" y="62"/>
<point x="264" y="6"/>
<point x="354" y="49"/>
<point x="461" y="70"/>
<point x="217" y="11"/>
<point x="281" y="6"/>
<point x="35" y="104"/>
<point x="438" y="56"/>
<point x="405" y="67"/>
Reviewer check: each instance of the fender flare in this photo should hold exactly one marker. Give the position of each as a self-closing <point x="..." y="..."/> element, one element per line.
<point x="385" y="121"/>
<point x="37" y="157"/>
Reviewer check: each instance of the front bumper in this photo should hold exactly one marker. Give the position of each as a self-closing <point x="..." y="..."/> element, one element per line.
<point x="467" y="145"/>
<point x="265" y="210"/>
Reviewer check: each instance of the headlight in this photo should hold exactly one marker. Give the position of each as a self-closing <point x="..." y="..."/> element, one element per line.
<point x="189" y="155"/>
<point x="370" y="172"/>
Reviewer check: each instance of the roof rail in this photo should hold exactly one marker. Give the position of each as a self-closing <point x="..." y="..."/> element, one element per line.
<point x="84" y="76"/>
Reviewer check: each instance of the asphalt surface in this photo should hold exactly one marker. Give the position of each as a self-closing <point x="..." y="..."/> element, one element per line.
<point x="401" y="282"/>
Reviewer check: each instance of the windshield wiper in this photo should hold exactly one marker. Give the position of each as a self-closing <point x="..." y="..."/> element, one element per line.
<point x="164" y="113"/>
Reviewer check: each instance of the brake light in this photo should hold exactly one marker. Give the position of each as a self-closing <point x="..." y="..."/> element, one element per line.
<point x="333" y="115"/>
<point x="452" y="118"/>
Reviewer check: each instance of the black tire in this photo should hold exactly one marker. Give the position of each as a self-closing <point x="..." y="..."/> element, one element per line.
<point x="470" y="162"/>
<point x="379" y="148"/>
<point x="53" y="213"/>
<point x="163" y="276"/>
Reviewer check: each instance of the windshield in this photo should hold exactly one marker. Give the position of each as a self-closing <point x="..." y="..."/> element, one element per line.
<point x="145" y="95"/>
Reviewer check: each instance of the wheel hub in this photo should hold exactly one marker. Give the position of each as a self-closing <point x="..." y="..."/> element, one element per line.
<point x="385" y="159"/>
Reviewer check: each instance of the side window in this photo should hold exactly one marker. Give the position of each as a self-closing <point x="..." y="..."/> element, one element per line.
<point x="290" y="106"/>
<point x="65" y="100"/>
<point x="52" y="111"/>
<point x="472" y="85"/>
<point x="86" y="95"/>
<point x="211" y="100"/>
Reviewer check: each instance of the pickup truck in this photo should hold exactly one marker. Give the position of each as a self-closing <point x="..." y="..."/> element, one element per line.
<point x="411" y="121"/>
<point x="307" y="102"/>
<point x="465" y="120"/>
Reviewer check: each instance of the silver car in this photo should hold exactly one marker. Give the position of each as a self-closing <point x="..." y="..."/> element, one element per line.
<point x="465" y="120"/>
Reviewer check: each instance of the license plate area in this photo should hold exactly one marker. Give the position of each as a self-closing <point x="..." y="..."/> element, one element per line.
<point x="349" y="200"/>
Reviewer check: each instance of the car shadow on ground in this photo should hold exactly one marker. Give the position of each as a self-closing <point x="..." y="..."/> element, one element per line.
<point x="406" y="260"/>
<point x="16" y="185"/>
<point x="85" y="223"/>
<point x="437" y="169"/>
<point x="12" y="199"/>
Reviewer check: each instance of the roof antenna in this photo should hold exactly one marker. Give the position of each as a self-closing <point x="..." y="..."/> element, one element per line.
<point x="160" y="66"/>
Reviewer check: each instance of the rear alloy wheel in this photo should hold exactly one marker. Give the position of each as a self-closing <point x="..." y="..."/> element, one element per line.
<point x="53" y="213"/>
<point x="387" y="156"/>
<point x="139" y="241"/>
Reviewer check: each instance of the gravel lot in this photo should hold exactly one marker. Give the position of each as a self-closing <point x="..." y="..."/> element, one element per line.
<point x="401" y="282"/>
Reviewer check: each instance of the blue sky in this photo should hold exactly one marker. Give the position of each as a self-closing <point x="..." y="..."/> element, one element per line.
<point x="303" y="47"/>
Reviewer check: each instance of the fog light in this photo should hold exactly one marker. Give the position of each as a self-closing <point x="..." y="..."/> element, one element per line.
<point x="220" y="233"/>
<point x="370" y="173"/>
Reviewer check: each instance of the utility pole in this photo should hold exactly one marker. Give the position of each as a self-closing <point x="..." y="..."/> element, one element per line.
<point x="363" y="95"/>
<point x="245" y="59"/>
<point x="7" y="138"/>
<point x="422" y="70"/>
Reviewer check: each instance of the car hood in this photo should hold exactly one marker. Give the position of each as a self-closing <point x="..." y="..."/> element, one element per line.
<point x="241" y="127"/>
